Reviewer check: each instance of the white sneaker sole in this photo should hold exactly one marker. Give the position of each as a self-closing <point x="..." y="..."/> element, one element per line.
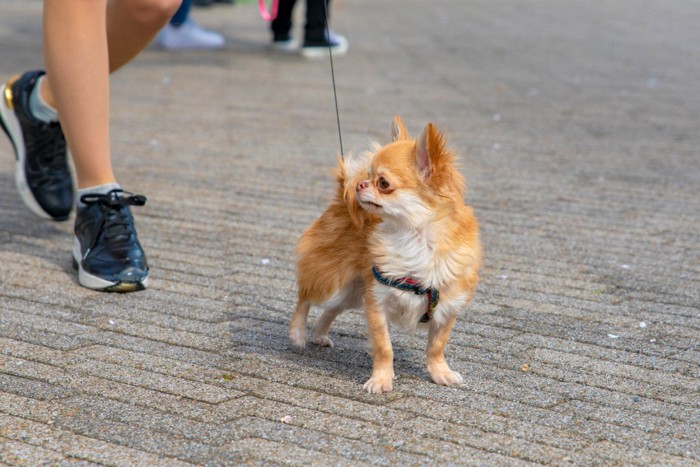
<point x="320" y="52"/>
<point x="289" y="46"/>
<point x="93" y="282"/>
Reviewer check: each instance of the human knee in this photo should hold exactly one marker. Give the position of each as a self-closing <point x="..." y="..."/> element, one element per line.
<point x="152" y="12"/>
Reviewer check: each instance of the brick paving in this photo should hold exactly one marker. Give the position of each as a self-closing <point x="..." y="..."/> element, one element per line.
<point x="578" y="126"/>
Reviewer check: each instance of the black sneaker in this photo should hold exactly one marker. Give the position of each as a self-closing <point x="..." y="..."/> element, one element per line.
<point x="106" y="250"/>
<point x="42" y="174"/>
<point x="319" y="49"/>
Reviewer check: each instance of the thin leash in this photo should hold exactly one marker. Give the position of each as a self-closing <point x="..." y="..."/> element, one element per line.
<point x="270" y="15"/>
<point x="335" y="92"/>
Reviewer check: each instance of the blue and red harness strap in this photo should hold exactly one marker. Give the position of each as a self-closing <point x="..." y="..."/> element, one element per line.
<point x="411" y="285"/>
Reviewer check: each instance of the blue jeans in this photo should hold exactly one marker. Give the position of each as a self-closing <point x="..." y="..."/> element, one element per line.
<point x="181" y="14"/>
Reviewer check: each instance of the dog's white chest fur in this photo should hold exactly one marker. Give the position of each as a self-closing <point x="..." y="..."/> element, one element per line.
<point x="409" y="253"/>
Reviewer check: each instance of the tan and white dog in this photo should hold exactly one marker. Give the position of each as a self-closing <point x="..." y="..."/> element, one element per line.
<point x="400" y="236"/>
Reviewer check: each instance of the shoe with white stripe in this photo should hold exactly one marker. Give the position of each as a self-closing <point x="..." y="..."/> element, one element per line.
<point x="337" y="44"/>
<point x="106" y="249"/>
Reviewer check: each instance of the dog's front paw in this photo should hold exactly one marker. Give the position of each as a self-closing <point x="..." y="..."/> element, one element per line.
<point x="378" y="384"/>
<point x="446" y="377"/>
<point x="298" y="337"/>
<point x="323" y="341"/>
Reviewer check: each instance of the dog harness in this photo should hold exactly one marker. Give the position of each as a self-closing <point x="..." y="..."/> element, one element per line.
<point x="412" y="285"/>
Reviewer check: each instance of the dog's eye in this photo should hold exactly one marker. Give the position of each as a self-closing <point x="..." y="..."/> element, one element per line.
<point x="383" y="184"/>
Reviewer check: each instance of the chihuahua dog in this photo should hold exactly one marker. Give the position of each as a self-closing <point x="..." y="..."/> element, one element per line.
<point x="399" y="238"/>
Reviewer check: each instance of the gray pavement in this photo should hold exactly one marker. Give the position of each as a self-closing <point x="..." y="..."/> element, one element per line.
<point x="579" y="127"/>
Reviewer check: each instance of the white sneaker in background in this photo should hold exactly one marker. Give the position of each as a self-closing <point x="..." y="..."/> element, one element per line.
<point x="285" y="46"/>
<point x="333" y="37"/>
<point x="189" y="35"/>
<point x="335" y="42"/>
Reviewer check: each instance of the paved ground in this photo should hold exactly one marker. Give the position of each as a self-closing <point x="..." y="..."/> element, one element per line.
<point x="579" y="126"/>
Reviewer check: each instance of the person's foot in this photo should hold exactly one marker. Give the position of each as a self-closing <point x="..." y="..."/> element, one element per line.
<point x="284" y="43"/>
<point x="106" y="249"/>
<point x="42" y="173"/>
<point x="319" y="49"/>
<point x="189" y="35"/>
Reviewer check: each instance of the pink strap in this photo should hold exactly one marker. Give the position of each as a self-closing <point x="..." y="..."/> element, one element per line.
<point x="272" y="13"/>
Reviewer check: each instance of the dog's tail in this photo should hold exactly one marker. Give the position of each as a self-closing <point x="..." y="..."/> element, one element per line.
<point x="351" y="170"/>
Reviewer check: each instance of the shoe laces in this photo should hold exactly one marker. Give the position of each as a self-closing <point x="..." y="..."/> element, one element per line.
<point x="116" y="223"/>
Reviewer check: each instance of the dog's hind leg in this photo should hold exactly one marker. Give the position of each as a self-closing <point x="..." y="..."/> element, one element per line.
<point x="297" y="327"/>
<point x="319" y="334"/>
<point x="351" y="297"/>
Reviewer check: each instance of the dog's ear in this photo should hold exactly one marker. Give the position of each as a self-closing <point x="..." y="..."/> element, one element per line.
<point x="425" y="149"/>
<point x="435" y="163"/>
<point x="398" y="130"/>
